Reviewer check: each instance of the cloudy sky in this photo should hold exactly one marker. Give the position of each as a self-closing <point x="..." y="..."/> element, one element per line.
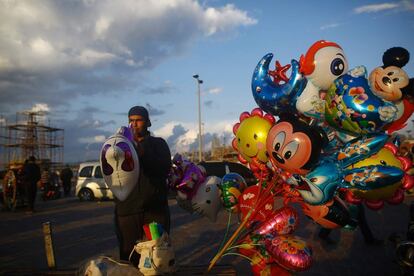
<point x="87" y="62"/>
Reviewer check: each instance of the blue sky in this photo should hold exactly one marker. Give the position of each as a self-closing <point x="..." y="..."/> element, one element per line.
<point x="87" y="62"/>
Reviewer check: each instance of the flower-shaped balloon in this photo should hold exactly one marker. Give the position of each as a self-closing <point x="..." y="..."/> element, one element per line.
<point x="251" y="134"/>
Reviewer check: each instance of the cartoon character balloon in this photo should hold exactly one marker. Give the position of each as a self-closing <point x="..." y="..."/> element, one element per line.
<point x="271" y="96"/>
<point x="352" y="107"/>
<point x="294" y="146"/>
<point x="321" y="65"/>
<point x="231" y="187"/>
<point x="390" y="80"/>
<point x="250" y="141"/>
<point x="392" y="193"/>
<point x="120" y="164"/>
<point x="192" y="179"/>
<point x="391" y="83"/>
<point x="332" y="173"/>
<point x="206" y="201"/>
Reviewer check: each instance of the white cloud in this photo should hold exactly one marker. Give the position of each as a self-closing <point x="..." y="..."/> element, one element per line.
<point x="40" y="107"/>
<point x="187" y="139"/>
<point x="127" y="32"/>
<point x="89" y="57"/>
<point x="408" y="5"/>
<point x="52" y="51"/>
<point x="41" y="47"/>
<point x="376" y="8"/>
<point x="224" y="18"/>
<point x="92" y="139"/>
<point x="329" y="26"/>
<point x="101" y="26"/>
<point x="215" y="90"/>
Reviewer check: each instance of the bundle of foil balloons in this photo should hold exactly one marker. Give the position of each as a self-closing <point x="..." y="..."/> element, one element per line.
<point x="325" y="137"/>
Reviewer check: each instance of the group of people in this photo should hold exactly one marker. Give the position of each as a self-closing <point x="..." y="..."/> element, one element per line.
<point x="30" y="177"/>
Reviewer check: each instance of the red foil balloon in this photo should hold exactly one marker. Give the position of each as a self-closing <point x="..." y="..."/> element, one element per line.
<point x="290" y="252"/>
<point x="397" y="198"/>
<point x="281" y="222"/>
<point x="248" y="201"/>
<point x="374" y="204"/>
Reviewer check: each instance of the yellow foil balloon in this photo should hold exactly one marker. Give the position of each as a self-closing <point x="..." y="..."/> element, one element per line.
<point x="251" y="138"/>
<point x="384" y="157"/>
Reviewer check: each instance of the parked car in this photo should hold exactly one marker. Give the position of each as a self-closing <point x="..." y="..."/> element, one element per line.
<point x="90" y="184"/>
<point x="219" y="169"/>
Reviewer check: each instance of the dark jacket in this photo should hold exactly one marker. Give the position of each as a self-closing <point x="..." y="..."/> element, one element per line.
<point x="31" y="172"/>
<point x="151" y="190"/>
<point x="66" y="175"/>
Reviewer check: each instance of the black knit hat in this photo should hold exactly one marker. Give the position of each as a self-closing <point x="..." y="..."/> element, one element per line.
<point x="141" y="111"/>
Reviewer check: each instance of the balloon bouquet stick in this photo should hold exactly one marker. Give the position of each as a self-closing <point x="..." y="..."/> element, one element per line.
<point x="252" y="212"/>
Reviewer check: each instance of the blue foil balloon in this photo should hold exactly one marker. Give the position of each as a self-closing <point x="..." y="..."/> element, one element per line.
<point x="272" y="97"/>
<point x="333" y="172"/>
<point x="352" y="107"/>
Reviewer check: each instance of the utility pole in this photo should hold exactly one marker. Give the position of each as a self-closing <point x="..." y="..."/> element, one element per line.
<point x="200" y="144"/>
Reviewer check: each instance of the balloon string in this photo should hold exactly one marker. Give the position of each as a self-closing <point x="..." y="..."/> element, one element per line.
<point x="243" y="244"/>
<point x="227" y="231"/>
<point x="237" y="254"/>
<point x="230" y="241"/>
<point x="251" y="213"/>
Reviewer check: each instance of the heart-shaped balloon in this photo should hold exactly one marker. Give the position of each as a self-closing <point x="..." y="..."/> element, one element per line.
<point x="290" y="252"/>
<point x="206" y="201"/>
<point x="248" y="200"/>
<point x="281" y="222"/>
<point x="120" y="165"/>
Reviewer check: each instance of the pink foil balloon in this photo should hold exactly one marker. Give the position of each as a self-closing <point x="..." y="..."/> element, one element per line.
<point x="281" y="222"/>
<point x="290" y="252"/>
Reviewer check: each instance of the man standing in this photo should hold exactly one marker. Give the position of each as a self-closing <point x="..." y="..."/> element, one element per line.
<point x="66" y="176"/>
<point x="31" y="175"/>
<point x="148" y="201"/>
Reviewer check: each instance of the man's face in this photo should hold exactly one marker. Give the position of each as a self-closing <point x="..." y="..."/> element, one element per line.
<point x="138" y="124"/>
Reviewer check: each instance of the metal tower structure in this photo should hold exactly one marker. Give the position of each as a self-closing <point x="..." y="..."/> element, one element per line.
<point x="31" y="136"/>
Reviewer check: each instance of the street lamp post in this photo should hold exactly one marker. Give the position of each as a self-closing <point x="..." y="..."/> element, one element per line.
<point x="200" y="144"/>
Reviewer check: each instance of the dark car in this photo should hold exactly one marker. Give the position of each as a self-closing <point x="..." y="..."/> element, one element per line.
<point x="219" y="169"/>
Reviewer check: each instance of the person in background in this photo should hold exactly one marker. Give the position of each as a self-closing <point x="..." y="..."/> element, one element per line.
<point x="148" y="200"/>
<point x="66" y="175"/>
<point x="363" y="226"/>
<point x="31" y="175"/>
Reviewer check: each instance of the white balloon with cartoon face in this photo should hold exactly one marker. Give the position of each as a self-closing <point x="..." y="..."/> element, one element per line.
<point x="120" y="165"/>
<point x="323" y="63"/>
<point x="206" y="201"/>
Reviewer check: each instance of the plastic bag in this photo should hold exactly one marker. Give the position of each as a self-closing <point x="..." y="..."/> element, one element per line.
<point x="157" y="256"/>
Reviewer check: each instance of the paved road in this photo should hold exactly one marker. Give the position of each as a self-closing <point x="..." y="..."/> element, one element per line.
<point x="85" y="229"/>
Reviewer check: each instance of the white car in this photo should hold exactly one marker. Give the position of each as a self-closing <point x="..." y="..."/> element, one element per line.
<point x="91" y="184"/>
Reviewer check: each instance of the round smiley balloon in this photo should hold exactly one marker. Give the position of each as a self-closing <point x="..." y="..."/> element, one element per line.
<point x="251" y="134"/>
<point x="294" y="146"/>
